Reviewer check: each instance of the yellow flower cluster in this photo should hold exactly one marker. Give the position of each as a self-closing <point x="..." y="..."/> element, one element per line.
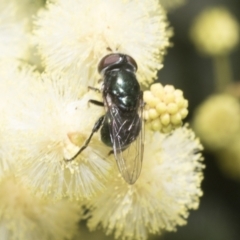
<point x="165" y="108"/>
<point x="215" y="31"/>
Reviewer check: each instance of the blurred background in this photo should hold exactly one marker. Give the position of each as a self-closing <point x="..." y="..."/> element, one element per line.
<point x="218" y="217"/>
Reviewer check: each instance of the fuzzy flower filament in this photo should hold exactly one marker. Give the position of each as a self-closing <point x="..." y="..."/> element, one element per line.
<point x="49" y="119"/>
<point x="169" y="185"/>
<point x="26" y="217"/>
<point x="73" y="36"/>
<point x="14" y="37"/>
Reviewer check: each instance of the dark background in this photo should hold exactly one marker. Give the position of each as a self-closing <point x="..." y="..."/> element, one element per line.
<point x="218" y="217"/>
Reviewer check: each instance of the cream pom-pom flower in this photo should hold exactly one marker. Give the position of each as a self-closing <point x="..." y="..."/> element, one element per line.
<point x="73" y="36"/>
<point x="216" y="121"/>
<point x="10" y="83"/>
<point x="49" y="119"/>
<point x="169" y="185"/>
<point x="26" y="217"/>
<point x="16" y="20"/>
<point x="221" y="29"/>
<point x="14" y="39"/>
<point x="24" y="9"/>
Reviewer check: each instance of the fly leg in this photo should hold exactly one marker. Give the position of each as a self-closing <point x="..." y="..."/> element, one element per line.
<point x="94" y="89"/>
<point x="110" y="152"/>
<point x="95" y="102"/>
<point x="96" y="127"/>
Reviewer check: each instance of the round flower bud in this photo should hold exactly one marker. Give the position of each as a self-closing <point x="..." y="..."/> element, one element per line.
<point x="217" y="121"/>
<point x="215" y="32"/>
<point x="165" y="107"/>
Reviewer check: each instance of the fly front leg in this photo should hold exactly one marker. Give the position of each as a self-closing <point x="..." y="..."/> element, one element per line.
<point x="94" y="89"/>
<point x="96" y="127"/>
<point x="110" y="153"/>
<point x="96" y="102"/>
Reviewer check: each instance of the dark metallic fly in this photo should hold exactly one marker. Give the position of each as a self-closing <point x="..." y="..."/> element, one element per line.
<point x="121" y="126"/>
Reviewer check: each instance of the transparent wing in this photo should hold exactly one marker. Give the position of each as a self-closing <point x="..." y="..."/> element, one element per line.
<point x="127" y="134"/>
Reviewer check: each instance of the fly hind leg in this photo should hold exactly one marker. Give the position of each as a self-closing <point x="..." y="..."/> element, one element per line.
<point x="96" y="127"/>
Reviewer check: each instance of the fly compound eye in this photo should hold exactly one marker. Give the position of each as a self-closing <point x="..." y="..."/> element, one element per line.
<point x="132" y="62"/>
<point x="108" y="61"/>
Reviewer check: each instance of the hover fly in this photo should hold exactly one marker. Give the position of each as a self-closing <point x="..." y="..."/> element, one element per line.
<point x="122" y="124"/>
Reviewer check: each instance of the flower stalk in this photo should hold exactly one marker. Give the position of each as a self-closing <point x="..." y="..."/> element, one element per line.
<point x="222" y="72"/>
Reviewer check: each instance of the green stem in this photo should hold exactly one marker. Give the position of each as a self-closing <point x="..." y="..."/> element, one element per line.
<point x="222" y="72"/>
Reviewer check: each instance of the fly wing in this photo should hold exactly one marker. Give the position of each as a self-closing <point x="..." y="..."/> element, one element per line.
<point x="127" y="137"/>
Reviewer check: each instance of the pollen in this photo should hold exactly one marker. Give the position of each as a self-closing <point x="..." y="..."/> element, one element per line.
<point x="165" y="108"/>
